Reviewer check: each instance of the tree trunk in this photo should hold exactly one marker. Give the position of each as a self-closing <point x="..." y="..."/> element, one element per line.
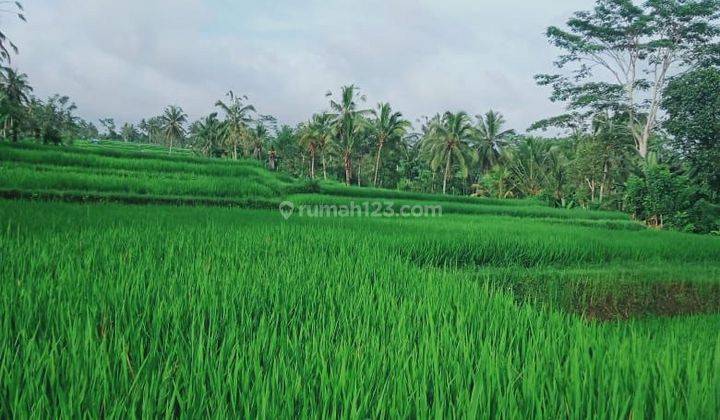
<point x="591" y="186"/>
<point x="606" y="169"/>
<point x="171" y="145"/>
<point x="643" y="146"/>
<point x="14" y="131"/>
<point x="447" y="171"/>
<point x="650" y="120"/>
<point x="348" y="168"/>
<point x="324" y="167"/>
<point x="377" y="162"/>
<point x="271" y="160"/>
<point x="312" y="163"/>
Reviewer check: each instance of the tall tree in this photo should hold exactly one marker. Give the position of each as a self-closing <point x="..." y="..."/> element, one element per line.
<point x="15" y="98"/>
<point x="322" y="125"/>
<point x="288" y="154"/>
<point x="86" y="129"/>
<point x="173" y="124"/>
<point x="144" y="130"/>
<point x="109" y="124"/>
<point x="692" y="104"/>
<point x="154" y="130"/>
<point x="348" y="123"/>
<point x="258" y="137"/>
<point x="447" y="143"/>
<point x="237" y="120"/>
<point x="620" y="55"/>
<point x="128" y="132"/>
<point x="206" y="134"/>
<point x="308" y="138"/>
<point x="490" y="139"/>
<point x="51" y="120"/>
<point x="385" y="127"/>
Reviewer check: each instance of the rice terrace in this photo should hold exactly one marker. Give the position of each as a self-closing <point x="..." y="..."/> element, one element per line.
<point x="552" y="261"/>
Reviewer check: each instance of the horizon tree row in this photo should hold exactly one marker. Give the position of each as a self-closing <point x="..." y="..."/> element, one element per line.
<point x="642" y="127"/>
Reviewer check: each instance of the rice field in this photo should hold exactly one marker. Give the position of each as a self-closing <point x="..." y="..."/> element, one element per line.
<point x="127" y="173"/>
<point x="508" y="309"/>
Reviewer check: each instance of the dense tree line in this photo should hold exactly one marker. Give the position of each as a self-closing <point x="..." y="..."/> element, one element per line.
<point x="641" y="130"/>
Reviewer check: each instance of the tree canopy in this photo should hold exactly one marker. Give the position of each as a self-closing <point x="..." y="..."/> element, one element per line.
<point x="618" y="57"/>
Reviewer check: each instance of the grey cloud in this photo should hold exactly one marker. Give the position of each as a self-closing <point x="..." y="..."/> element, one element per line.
<point x="129" y="59"/>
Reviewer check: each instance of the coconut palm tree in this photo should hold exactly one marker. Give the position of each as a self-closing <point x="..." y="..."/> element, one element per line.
<point x="497" y="182"/>
<point x="144" y="130"/>
<point x="323" y="128"/>
<point x="207" y="134"/>
<point x="258" y="137"/>
<point x="529" y="163"/>
<point x="613" y="150"/>
<point x="173" y="121"/>
<point x="386" y="126"/>
<point x="13" y="8"/>
<point x="490" y="139"/>
<point x="348" y="124"/>
<point x="446" y="143"/>
<point x="237" y="120"/>
<point x="309" y="141"/>
<point x="15" y="92"/>
<point x="110" y="127"/>
<point x="314" y="136"/>
<point x="128" y="132"/>
<point x="288" y="153"/>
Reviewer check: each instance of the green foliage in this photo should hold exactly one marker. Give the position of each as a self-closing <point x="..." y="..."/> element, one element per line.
<point x="173" y="125"/>
<point x="618" y="51"/>
<point x="237" y="122"/>
<point x="490" y="139"/>
<point x="316" y="137"/>
<point x="14" y="98"/>
<point x="289" y="153"/>
<point x="52" y="121"/>
<point x="349" y="125"/>
<point x="660" y="198"/>
<point x="693" y="109"/>
<point x="387" y="130"/>
<point x="207" y="136"/>
<point x="446" y="145"/>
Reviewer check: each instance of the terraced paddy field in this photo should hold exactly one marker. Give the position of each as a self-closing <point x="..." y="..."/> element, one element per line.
<point x="495" y="308"/>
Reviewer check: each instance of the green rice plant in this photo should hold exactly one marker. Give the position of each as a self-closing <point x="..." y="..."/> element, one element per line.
<point x="119" y="170"/>
<point x="476" y="208"/>
<point x="147" y="183"/>
<point x="129" y="311"/>
<point x="338" y="189"/>
<point x="134" y="147"/>
<point x="129" y="162"/>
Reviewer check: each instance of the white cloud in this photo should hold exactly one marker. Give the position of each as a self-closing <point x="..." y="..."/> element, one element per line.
<point x="129" y="59"/>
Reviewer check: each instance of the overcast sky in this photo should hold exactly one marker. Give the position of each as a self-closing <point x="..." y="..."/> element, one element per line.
<point x="129" y="59"/>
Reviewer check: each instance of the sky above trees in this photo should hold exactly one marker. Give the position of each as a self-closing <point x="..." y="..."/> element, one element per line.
<point x="130" y="59"/>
